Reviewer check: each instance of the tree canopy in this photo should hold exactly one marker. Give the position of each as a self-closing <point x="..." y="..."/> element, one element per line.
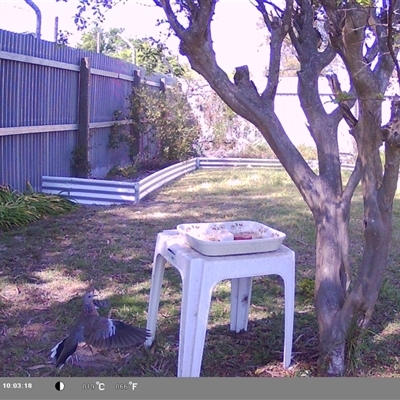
<point x="147" y="52"/>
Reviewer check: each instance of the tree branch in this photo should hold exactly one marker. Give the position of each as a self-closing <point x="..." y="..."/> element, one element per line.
<point x="345" y="104"/>
<point x="391" y="174"/>
<point x="278" y="26"/>
<point x="179" y="30"/>
<point x="391" y="136"/>
<point x="353" y="182"/>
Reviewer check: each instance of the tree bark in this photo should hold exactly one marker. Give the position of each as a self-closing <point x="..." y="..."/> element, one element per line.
<point x="331" y="222"/>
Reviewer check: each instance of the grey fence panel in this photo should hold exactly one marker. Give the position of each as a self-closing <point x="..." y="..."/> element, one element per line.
<point x="32" y="95"/>
<point x="39" y="99"/>
<point x="102" y="157"/>
<point x="61" y="145"/>
<point x="28" y="157"/>
<point x="29" y="46"/>
<point x="109" y="95"/>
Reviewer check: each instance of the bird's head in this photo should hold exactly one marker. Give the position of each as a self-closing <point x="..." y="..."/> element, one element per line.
<point x="88" y="305"/>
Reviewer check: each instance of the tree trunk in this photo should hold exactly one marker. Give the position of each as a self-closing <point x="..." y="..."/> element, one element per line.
<point x="341" y="314"/>
<point x="331" y="221"/>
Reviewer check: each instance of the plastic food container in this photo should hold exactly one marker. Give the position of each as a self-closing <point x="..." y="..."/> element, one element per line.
<point x="231" y="238"/>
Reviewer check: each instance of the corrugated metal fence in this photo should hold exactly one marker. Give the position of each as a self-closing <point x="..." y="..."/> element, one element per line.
<point x="41" y="114"/>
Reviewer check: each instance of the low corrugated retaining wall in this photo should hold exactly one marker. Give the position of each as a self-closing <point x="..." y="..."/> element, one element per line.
<point x="105" y="192"/>
<point x="92" y="191"/>
<point x="160" y="178"/>
<point x="205" y="162"/>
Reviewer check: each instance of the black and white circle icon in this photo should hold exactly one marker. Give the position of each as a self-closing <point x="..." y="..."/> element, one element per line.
<point x="60" y="386"/>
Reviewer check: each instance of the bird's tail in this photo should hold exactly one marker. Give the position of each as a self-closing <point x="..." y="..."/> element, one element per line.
<point x="62" y="351"/>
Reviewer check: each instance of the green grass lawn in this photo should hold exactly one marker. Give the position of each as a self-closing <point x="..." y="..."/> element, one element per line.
<point x="47" y="266"/>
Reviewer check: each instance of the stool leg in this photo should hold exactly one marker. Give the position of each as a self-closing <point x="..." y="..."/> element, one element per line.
<point x="196" y="300"/>
<point x="289" y="282"/>
<point x="240" y="303"/>
<point x="155" y="291"/>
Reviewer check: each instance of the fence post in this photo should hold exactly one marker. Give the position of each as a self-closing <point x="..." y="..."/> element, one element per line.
<point x="81" y="156"/>
<point x="162" y="85"/>
<point x="136" y="147"/>
<point x="136" y="78"/>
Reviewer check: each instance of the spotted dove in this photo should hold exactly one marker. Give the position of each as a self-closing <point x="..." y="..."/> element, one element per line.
<point x="97" y="331"/>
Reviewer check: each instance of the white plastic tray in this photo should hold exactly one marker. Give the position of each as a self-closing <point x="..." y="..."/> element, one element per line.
<point x="231" y="238"/>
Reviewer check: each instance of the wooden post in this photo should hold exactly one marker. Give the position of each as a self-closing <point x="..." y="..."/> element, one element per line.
<point x="136" y="78"/>
<point x="136" y="146"/>
<point x="162" y="85"/>
<point x="82" y="166"/>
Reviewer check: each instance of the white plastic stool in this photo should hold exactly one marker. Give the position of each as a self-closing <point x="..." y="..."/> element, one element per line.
<point x="199" y="276"/>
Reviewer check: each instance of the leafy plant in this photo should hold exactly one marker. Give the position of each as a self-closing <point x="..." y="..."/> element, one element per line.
<point x="305" y="288"/>
<point x="126" y="172"/>
<point x="163" y="124"/>
<point x="20" y="209"/>
<point x="80" y="164"/>
<point x="225" y="134"/>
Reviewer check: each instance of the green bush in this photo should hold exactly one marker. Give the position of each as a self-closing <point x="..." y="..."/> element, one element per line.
<point x="20" y="209"/>
<point x="165" y="120"/>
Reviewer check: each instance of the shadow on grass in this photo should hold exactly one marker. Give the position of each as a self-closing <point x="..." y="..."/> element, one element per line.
<point x="250" y="353"/>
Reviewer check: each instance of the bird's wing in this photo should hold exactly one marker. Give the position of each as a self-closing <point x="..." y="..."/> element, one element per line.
<point x="108" y="333"/>
<point x="105" y="303"/>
